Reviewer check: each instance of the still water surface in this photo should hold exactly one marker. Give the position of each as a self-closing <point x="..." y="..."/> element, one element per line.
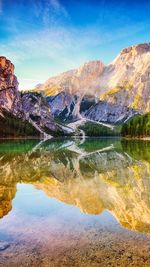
<point x="75" y="203"/>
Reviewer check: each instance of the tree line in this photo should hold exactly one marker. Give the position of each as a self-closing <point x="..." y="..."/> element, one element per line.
<point x="12" y="126"/>
<point x="138" y="126"/>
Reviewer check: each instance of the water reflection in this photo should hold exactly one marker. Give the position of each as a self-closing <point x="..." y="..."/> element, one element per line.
<point x="96" y="175"/>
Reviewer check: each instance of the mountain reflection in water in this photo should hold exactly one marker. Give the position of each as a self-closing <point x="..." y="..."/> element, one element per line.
<point x="96" y="175"/>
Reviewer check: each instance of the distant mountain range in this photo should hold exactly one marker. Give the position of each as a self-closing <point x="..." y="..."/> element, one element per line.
<point x="111" y="93"/>
<point x="106" y="95"/>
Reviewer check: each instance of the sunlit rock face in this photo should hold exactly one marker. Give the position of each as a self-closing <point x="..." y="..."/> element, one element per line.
<point x="126" y="81"/>
<point x="70" y="87"/>
<point x="9" y="96"/>
<point x="93" y="176"/>
<point x="32" y="107"/>
<point x="84" y="80"/>
<point x="123" y="87"/>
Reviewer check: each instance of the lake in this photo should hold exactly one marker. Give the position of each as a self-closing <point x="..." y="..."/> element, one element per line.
<point x="72" y="202"/>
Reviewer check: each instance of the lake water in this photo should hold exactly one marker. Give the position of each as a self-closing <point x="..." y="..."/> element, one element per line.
<point x="74" y="203"/>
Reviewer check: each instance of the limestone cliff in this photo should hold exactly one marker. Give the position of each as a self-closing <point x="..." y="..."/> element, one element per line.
<point x="123" y="87"/>
<point x="126" y="81"/>
<point x="9" y="95"/>
<point x="31" y="109"/>
<point x="84" y="80"/>
<point x="71" y="87"/>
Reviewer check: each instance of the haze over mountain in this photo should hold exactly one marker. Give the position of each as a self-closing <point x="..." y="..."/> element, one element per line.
<point x="123" y="87"/>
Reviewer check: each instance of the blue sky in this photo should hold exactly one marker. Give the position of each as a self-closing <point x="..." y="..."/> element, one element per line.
<point x="45" y="37"/>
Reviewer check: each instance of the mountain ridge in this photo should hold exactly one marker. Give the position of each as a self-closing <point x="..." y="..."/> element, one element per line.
<point x="123" y="84"/>
<point x="24" y="110"/>
<point x="94" y="93"/>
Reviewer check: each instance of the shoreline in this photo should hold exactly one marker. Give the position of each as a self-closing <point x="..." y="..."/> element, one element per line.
<point x="146" y="138"/>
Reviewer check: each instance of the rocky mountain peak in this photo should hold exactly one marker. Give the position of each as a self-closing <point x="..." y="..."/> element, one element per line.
<point x="6" y="65"/>
<point x="7" y="77"/>
<point x="9" y="95"/>
<point x="126" y="81"/>
<point x="140" y="48"/>
<point x="76" y="81"/>
<point x="92" y="67"/>
<point x="30" y="107"/>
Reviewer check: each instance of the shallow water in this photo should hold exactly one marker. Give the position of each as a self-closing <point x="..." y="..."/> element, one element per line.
<point x="74" y="203"/>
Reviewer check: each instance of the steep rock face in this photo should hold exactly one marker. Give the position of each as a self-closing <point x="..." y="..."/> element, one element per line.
<point x="124" y="85"/>
<point x="63" y="106"/>
<point x="104" y="111"/>
<point x="37" y="110"/>
<point x="9" y="95"/>
<point x="75" y="84"/>
<point x="84" y="80"/>
<point x="127" y="79"/>
<point x="28" y="107"/>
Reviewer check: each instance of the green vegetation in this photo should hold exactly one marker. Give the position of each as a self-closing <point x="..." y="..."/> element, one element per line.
<point x="138" y="126"/>
<point x="55" y="133"/>
<point x="94" y="144"/>
<point x="16" y="147"/>
<point x="137" y="149"/>
<point x="12" y="127"/>
<point x="125" y="85"/>
<point x="94" y="130"/>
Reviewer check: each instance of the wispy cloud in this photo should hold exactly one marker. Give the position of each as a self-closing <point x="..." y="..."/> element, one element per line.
<point x="58" y="7"/>
<point x="58" y="43"/>
<point x="49" y="10"/>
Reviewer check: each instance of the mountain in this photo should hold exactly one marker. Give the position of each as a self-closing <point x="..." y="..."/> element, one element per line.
<point x="120" y="89"/>
<point x="9" y="94"/>
<point x="24" y="114"/>
<point x="94" y="93"/>
<point x="81" y="81"/>
<point x="127" y="79"/>
<point x="70" y="87"/>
